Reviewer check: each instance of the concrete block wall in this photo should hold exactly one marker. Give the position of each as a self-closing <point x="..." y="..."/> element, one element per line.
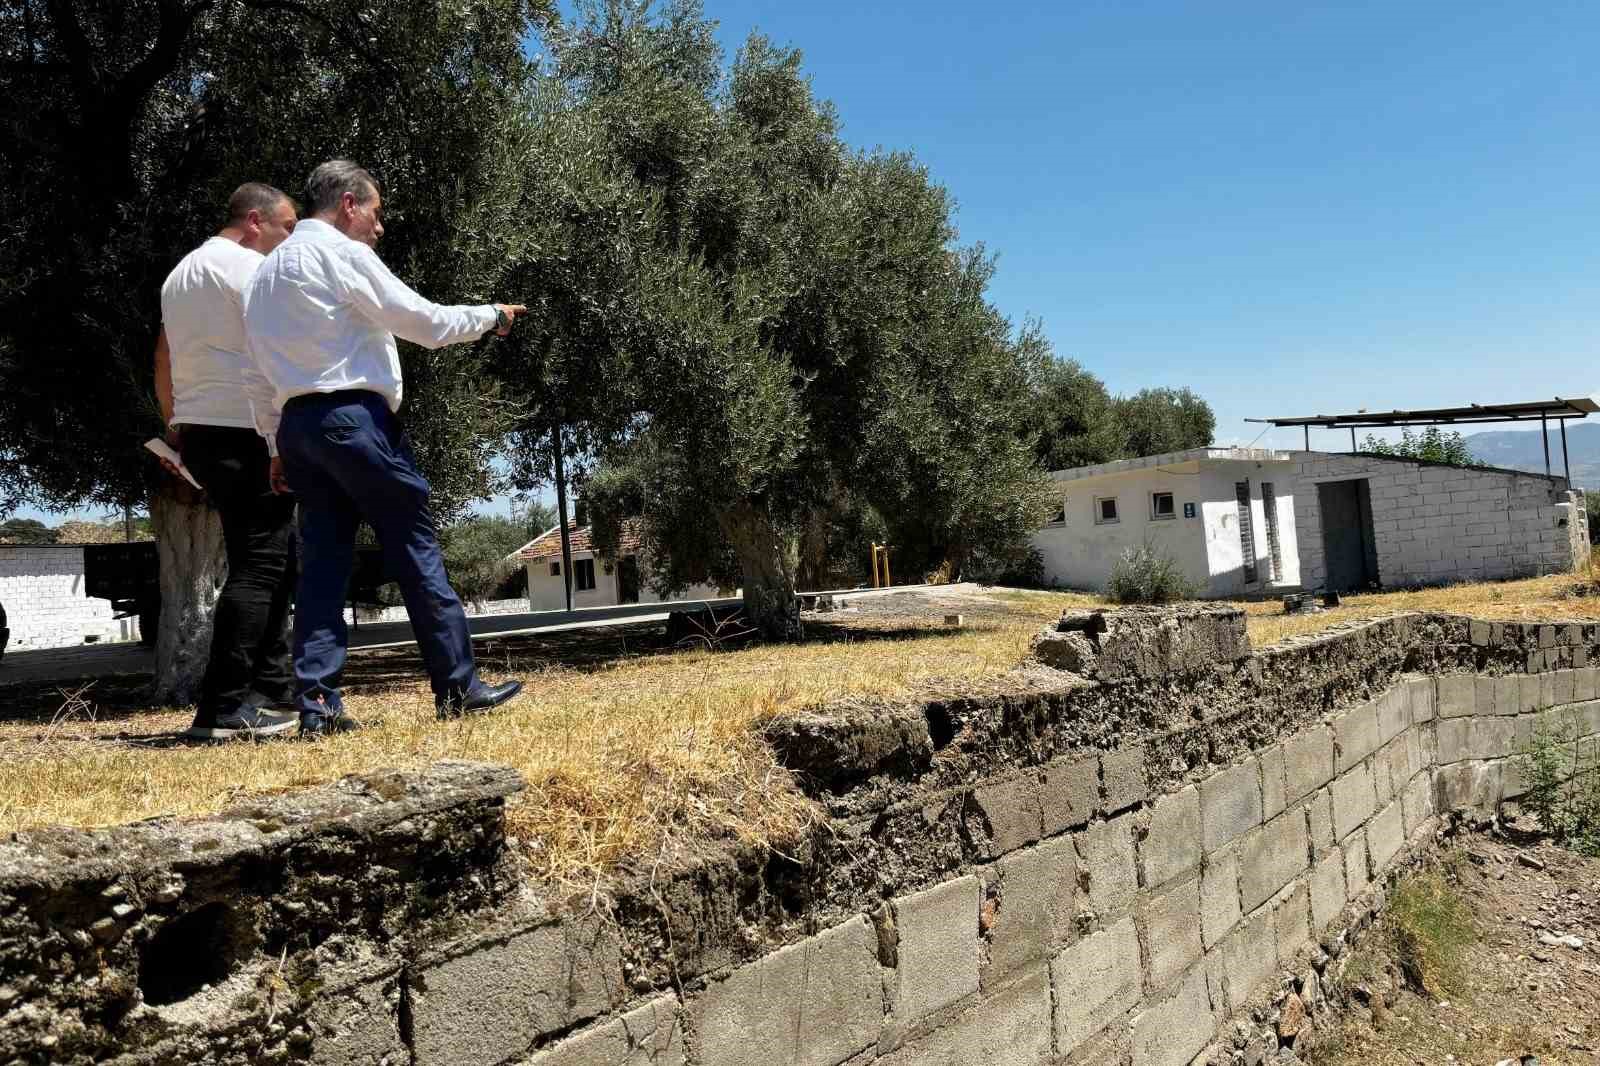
<point x="1079" y="903"/>
<point x="1115" y="926"/>
<point x="41" y="588"/>
<point x="1435" y="523"/>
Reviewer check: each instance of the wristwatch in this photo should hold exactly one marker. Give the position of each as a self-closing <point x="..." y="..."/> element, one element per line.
<point x="501" y="319"/>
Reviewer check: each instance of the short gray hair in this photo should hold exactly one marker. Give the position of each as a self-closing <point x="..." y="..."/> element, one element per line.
<point x="330" y="181"/>
<point x="253" y="196"/>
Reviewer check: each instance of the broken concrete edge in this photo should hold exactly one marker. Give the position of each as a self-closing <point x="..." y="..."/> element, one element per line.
<point x="356" y="803"/>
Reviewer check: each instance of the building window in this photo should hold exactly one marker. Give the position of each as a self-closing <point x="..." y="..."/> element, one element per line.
<point x="1059" y="517"/>
<point x="584" y="570"/>
<point x="1105" y="510"/>
<point x="555" y="569"/>
<point x="1269" y="508"/>
<point x="1247" y="532"/>
<point x="1161" y="505"/>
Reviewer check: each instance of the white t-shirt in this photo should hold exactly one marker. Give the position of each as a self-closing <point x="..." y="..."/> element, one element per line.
<point x="202" y="310"/>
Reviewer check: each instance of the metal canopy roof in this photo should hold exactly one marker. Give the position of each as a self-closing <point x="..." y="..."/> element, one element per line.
<point x="1557" y="408"/>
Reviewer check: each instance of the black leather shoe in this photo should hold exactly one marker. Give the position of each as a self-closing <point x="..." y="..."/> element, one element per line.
<point x="478" y="699"/>
<point x="326" y="725"/>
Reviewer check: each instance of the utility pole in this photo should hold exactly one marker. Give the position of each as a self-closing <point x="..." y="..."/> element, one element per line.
<point x="561" y="516"/>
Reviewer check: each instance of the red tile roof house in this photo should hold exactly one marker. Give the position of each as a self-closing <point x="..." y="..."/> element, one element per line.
<point x="597" y="580"/>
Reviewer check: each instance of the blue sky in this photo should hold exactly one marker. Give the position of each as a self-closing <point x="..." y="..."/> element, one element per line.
<point x="1291" y="208"/>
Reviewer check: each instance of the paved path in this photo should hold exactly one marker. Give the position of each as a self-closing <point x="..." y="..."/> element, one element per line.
<point x="37" y="666"/>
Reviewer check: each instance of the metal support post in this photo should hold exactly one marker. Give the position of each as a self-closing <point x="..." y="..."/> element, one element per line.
<point x="1566" y="464"/>
<point x="561" y="517"/>
<point x="1544" y="435"/>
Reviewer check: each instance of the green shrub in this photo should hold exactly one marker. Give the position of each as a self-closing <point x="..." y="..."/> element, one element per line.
<point x="1146" y="574"/>
<point x="1563" y="784"/>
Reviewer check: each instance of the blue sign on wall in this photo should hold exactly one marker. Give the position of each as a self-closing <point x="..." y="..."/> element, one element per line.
<point x="1188" y="510"/>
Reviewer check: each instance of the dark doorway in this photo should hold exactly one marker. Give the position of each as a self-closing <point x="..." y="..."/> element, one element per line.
<point x="628" y="579"/>
<point x="1348" y="546"/>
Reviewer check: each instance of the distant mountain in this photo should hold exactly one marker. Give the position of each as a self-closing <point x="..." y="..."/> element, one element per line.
<point x="1522" y="450"/>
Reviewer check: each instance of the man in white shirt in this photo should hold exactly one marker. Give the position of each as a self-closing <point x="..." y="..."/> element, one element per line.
<point x="321" y="316"/>
<point x="200" y="362"/>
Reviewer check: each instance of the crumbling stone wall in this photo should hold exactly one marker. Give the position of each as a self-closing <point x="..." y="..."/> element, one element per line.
<point x="1097" y="865"/>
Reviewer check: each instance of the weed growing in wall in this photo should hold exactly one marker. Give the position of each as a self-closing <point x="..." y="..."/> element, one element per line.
<point x="1146" y="574"/>
<point x="1563" y="784"/>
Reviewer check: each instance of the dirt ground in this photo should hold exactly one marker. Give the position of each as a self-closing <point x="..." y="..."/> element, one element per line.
<point x="1522" y="994"/>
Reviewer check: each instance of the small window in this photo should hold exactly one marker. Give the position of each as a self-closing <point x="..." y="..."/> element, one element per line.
<point x="555" y="569"/>
<point x="1161" y="505"/>
<point x="1105" y="510"/>
<point x="1059" y="517"/>
<point x="584" y="570"/>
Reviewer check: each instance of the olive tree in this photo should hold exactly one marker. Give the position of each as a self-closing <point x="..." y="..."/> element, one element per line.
<point x="127" y="123"/>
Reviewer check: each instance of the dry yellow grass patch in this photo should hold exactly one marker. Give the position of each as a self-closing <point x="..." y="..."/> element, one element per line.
<point x="624" y="759"/>
<point x="619" y="761"/>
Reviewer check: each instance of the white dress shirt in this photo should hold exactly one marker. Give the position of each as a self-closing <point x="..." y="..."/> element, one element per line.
<point x="321" y="315"/>
<point x="202" y="312"/>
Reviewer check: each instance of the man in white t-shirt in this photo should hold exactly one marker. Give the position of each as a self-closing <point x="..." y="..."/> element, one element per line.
<point x="200" y="385"/>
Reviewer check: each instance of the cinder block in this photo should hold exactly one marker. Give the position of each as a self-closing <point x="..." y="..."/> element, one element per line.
<point x="1357" y="874"/>
<point x="1583" y="682"/>
<point x="1308" y="761"/>
<point x="1458" y="695"/>
<point x="1354" y="799"/>
<point x="1486" y="693"/>
<point x="1566" y="687"/>
<point x="1246" y="959"/>
<point x="1123" y="775"/>
<point x="1493" y="738"/>
<point x="1472" y="785"/>
<point x="1009" y="1028"/>
<point x="507" y="973"/>
<point x="1070" y="794"/>
<point x="1106" y="863"/>
<point x="1230" y="804"/>
<point x="648" y="1036"/>
<point x="1328" y="895"/>
<point x="1274" y="788"/>
<point x="1219" y="896"/>
<point x="1271" y="857"/>
<point x="1386" y="835"/>
<point x="1096" y="980"/>
<point x="1172" y="844"/>
<point x="822" y="998"/>
<point x="1011" y="812"/>
<point x="1384" y="770"/>
<point x="1455" y="739"/>
<point x="938" y="948"/>
<point x="1038" y="888"/>
<point x="1319" y="822"/>
<point x="1172" y="1032"/>
<point x="1171" y="925"/>
<point x="1355" y="735"/>
<point x="1394" y="713"/>
<point x="1424" y="691"/>
<point x="1528" y="689"/>
<point x="1291" y="920"/>
<point x="359" y="1022"/>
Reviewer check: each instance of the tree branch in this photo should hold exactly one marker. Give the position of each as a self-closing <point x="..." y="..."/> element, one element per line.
<point x="345" y="36"/>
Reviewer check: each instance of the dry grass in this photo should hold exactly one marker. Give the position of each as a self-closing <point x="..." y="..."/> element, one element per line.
<point x="620" y="761"/>
<point x="624" y="757"/>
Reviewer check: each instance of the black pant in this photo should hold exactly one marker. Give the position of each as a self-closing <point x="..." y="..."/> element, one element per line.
<point x="249" y="639"/>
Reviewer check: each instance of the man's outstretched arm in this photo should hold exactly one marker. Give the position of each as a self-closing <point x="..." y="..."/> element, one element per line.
<point x="395" y="306"/>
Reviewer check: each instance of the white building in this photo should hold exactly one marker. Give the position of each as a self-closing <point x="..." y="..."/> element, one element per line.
<point x="1245" y="522"/>
<point x="597" y="581"/>
<point x="42" y="594"/>
<point x="1226" y="515"/>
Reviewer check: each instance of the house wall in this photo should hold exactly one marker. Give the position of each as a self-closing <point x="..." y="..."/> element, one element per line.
<point x="1434" y="524"/>
<point x="547" y="593"/>
<point x="41" y="588"/>
<point x="1081" y="554"/>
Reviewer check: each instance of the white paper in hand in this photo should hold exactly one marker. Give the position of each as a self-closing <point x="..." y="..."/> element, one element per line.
<point x="163" y="450"/>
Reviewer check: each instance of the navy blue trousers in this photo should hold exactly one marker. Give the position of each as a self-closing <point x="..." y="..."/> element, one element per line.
<point x="347" y="459"/>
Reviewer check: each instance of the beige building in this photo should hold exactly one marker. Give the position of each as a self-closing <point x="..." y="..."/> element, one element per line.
<point x="597" y="580"/>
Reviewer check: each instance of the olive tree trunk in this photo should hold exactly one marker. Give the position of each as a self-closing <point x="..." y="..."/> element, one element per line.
<point x="768" y="559"/>
<point x="193" y="566"/>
